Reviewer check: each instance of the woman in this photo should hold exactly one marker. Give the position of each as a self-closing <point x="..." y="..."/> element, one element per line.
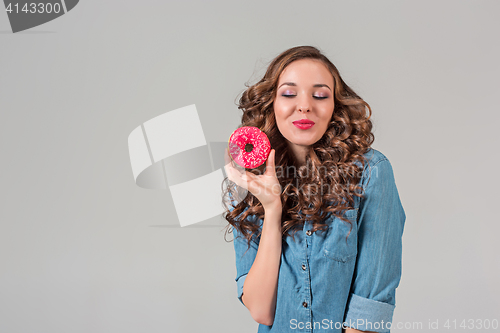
<point x="337" y="268"/>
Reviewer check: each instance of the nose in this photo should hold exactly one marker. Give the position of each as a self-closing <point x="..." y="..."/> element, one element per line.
<point x="303" y="109"/>
<point x="303" y="104"/>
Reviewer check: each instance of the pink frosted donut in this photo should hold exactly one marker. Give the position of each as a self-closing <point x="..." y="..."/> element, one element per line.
<point x="249" y="147"/>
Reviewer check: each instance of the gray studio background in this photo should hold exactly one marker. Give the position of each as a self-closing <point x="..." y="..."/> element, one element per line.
<point x="84" y="249"/>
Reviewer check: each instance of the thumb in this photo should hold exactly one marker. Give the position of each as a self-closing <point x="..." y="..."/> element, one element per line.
<point x="270" y="164"/>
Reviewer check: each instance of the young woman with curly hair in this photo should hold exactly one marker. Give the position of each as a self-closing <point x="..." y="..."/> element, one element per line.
<point x="337" y="268"/>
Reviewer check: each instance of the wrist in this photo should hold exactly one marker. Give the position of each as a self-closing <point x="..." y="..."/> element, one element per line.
<point x="274" y="207"/>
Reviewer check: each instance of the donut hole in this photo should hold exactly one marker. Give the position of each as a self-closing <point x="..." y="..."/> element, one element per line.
<point x="248" y="147"/>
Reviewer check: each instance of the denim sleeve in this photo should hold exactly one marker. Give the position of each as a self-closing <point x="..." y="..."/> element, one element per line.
<point x="244" y="258"/>
<point x="377" y="273"/>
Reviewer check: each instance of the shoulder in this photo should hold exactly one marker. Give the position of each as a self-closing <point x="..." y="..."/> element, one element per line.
<point x="378" y="166"/>
<point x="373" y="157"/>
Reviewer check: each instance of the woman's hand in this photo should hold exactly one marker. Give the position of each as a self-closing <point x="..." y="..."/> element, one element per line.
<point x="265" y="187"/>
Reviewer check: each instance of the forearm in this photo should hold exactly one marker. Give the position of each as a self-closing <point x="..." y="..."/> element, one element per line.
<point x="261" y="283"/>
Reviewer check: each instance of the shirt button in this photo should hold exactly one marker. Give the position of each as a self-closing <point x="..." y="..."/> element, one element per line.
<point x="304" y="304"/>
<point x="304" y="267"/>
<point x="308" y="232"/>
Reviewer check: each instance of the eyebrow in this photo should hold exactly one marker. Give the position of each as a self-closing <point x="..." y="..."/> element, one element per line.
<point x="319" y="85"/>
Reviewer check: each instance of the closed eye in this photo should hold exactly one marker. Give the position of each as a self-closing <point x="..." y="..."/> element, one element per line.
<point x="317" y="97"/>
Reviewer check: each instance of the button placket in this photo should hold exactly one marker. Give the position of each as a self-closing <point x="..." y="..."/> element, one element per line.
<point x="307" y="286"/>
<point x="308" y="233"/>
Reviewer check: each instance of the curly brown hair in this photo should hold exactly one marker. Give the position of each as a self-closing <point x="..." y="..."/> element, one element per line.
<point x="331" y="163"/>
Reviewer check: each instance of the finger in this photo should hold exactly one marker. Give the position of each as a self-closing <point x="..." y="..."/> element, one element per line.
<point x="231" y="172"/>
<point x="236" y="175"/>
<point x="227" y="161"/>
<point x="249" y="177"/>
<point x="270" y="165"/>
<point x="226" y="156"/>
<point x="229" y="165"/>
<point x="249" y="182"/>
<point x="234" y="164"/>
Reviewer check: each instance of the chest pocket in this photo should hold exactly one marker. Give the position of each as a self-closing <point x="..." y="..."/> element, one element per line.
<point x="336" y="246"/>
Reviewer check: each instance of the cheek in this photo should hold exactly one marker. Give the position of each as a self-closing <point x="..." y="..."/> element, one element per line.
<point x="280" y="113"/>
<point x="280" y="120"/>
<point x="328" y="113"/>
<point x="325" y="119"/>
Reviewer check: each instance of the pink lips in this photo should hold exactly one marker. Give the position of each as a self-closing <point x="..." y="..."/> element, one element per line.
<point x="303" y="123"/>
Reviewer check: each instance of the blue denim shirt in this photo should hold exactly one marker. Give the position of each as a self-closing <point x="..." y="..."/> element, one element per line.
<point x="325" y="281"/>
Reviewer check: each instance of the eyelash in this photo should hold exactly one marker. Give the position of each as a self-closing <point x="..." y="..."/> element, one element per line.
<point x="317" y="97"/>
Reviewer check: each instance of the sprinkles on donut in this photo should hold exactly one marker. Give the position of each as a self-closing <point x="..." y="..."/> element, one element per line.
<point x="249" y="147"/>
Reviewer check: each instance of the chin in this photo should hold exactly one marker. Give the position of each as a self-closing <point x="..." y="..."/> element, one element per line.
<point x="305" y="140"/>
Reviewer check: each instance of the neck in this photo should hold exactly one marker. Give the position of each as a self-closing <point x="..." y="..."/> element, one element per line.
<point x="300" y="153"/>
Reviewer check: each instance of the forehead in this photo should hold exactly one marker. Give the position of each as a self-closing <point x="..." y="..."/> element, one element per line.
<point x="305" y="71"/>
